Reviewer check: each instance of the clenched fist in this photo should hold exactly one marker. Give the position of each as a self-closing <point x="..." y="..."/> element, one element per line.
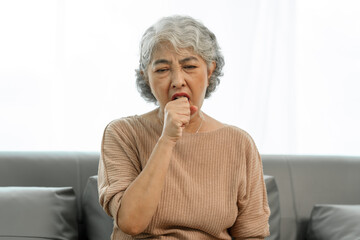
<point x="177" y="115"/>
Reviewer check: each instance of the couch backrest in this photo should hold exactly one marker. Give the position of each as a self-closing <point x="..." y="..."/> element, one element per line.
<point x="50" y="169"/>
<point x="304" y="181"/>
<point x="59" y="169"/>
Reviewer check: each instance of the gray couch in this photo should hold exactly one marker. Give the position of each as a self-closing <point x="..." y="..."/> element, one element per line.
<point x="55" y="193"/>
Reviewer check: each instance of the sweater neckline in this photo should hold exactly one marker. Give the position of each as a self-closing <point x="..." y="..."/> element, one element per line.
<point x="185" y="134"/>
<point x="207" y="132"/>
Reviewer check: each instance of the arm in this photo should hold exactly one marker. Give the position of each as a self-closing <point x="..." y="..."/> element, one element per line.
<point x="248" y="238"/>
<point x="131" y="196"/>
<point x="252" y="220"/>
<point x="140" y="200"/>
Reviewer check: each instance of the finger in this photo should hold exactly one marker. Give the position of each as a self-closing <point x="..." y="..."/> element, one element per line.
<point x="184" y="120"/>
<point x="181" y="103"/>
<point x="193" y="109"/>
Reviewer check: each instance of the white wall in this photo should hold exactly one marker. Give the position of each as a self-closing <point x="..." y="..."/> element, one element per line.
<point x="328" y="76"/>
<point x="291" y="75"/>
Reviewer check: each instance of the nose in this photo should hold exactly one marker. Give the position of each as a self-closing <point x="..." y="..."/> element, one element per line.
<point x="178" y="79"/>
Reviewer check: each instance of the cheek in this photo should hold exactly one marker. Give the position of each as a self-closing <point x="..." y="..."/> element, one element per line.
<point x="152" y="86"/>
<point x="158" y="88"/>
<point x="206" y="79"/>
<point x="200" y="85"/>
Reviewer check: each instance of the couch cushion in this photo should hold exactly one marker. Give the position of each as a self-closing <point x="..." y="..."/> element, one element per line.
<point x="278" y="166"/>
<point x="334" y="222"/>
<point x="49" y="169"/>
<point x="323" y="180"/>
<point x="38" y="213"/>
<point x="274" y="204"/>
<point x="97" y="223"/>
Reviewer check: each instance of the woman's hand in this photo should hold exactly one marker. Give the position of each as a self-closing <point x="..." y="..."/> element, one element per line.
<point x="177" y="115"/>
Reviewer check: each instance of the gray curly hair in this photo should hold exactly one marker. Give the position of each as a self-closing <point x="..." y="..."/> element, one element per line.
<point x="182" y="32"/>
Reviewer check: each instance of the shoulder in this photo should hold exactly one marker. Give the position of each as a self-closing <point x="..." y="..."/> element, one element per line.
<point x="239" y="132"/>
<point x="244" y="147"/>
<point x="120" y="130"/>
<point x="230" y="131"/>
<point x="135" y="121"/>
<point x="136" y="125"/>
<point x="130" y="125"/>
<point x="123" y="123"/>
<point x="239" y="138"/>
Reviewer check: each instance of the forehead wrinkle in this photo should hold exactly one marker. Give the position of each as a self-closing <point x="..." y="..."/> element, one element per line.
<point x="188" y="59"/>
<point x="161" y="61"/>
<point x="182" y="61"/>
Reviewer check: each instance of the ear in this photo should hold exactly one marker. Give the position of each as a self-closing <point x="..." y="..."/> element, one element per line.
<point x="211" y="69"/>
<point x="144" y="77"/>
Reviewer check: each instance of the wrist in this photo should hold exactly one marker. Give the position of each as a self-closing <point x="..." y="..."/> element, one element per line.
<point x="167" y="141"/>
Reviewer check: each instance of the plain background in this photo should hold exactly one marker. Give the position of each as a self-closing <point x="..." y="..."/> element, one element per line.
<point x="291" y="77"/>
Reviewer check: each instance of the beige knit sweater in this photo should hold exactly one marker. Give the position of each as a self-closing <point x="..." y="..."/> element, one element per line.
<point x="214" y="188"/>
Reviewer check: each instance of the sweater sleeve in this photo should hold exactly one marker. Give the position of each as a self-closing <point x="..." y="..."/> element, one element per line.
<point x="254" y="212"/>
<point x="118" y="166"/>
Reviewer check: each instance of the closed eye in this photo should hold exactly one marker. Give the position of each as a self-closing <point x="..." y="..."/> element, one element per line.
<point x="190" y="67"/>
<point x="161" y="70"/>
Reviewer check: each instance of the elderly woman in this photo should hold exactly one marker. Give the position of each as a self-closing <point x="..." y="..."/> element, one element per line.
<point x="176" y="172"/>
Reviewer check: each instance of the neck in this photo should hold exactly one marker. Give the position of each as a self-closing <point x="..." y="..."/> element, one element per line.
<point x="196" y="123"/>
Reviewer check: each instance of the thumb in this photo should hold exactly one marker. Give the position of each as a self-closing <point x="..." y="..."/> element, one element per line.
<point x="193" y="109"/>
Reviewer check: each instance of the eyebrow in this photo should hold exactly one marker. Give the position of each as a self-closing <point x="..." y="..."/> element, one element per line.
<point x="188" y="59"/>
<point x="164" y="61"/>
<point x="159" y="61"/>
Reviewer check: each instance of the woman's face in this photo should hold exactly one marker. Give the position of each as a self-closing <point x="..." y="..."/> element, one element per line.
<point x="171" y="73"/>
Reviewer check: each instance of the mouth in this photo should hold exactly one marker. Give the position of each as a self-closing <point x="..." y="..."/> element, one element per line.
<point x="179" y="95"/>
